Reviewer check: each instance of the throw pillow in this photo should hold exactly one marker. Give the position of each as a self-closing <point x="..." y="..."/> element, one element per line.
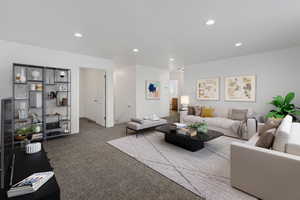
<point x="270" y="124"/>
<point x="207" y="112"/>
<point x="137" y="120"/>
<point x="191" y="110"/>
<point x="197" y="110"/>
<point x="266" y="139"/>
<point x="239" y="114"/>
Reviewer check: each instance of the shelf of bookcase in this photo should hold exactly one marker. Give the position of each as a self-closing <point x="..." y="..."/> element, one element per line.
<point x="51" y="80"/>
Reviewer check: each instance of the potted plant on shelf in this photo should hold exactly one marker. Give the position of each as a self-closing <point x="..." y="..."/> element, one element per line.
<point x="284" y="106"/>
<point x="200" y="127"/>
<point x="26" y="132"/>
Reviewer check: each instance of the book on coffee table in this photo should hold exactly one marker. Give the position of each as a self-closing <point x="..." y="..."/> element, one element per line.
<point x="30" y="184"/>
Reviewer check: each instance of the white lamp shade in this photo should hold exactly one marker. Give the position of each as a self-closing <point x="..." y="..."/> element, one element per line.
<point x="185" y="100"/>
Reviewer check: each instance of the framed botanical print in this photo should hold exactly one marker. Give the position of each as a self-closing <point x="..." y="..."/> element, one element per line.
<point x="208" y="89"/>
<point x="240" y="88"/>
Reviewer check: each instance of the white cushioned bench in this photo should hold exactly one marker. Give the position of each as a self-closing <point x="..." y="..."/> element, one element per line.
<point x="145" y="124"/>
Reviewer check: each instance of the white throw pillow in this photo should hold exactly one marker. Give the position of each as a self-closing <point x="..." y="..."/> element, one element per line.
<point x="154" y="117"/>
<point x="282" y="134"/>
<point x="293" y="145"/>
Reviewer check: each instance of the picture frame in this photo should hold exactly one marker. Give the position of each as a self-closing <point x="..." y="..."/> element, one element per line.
<point x="240" y="88"/>
<point x="208" y="89"/>
<point x="152" y="90"/>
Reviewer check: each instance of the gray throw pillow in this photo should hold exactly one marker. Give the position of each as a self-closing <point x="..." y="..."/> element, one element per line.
<point x="191" y="110"/>
<point x="270" y="124"/>
<point x="198" y="110"/>
<point x="266" y="139"/>
<point x="239" y="114"/>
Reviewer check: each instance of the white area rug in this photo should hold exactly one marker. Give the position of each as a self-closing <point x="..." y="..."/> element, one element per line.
<point x="205" y="172"/>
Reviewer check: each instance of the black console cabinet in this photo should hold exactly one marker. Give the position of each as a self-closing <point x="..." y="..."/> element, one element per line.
<point x="26" y="165"/>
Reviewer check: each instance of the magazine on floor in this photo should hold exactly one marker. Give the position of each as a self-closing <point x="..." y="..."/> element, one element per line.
<point x="30" y="184"/>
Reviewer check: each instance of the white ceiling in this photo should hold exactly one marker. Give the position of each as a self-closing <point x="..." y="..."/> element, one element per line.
<point x="160" y="29"/>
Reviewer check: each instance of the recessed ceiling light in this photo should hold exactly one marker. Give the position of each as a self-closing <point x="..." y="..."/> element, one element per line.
<point x="210" y="22"/>
<point x="135" y="50"/>
<point x="171" y="59"/>
<point x="238" y="44"/>
<point x="78" y="35"/>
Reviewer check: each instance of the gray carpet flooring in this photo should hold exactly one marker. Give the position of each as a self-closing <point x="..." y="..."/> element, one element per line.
<point x="86" y="167"/>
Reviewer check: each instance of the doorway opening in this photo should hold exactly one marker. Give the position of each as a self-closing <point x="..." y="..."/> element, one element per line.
<point x="92" y="96"/>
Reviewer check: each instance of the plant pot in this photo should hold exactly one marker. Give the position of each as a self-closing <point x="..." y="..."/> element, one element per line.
<point x="20" y="137"/>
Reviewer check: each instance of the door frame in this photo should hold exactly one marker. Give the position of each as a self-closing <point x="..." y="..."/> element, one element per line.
<point x="105" y="117"/>
<point x="105" y="90"/>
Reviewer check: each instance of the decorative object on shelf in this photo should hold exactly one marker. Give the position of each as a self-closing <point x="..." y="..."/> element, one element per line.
<point x="22" y="112"/>
<point x="152" y="90"/>
<point x="36" y="100"/>
<point x="26" y="132"/>
<point x="20" y="76"/>
<point x="65" y="128"/>
<point x="184" y="101"/>
<point x="35" y="117"/>
<point x="208" y="89"/>
<point x="33" y="87"/>
<point x="52" y="125"/>
<point x="35" y="75"/>
<point x="284" y="106"/>
<point x="62" y="87"/>
<point x="52" y="95"/>
<point x="64" y="101"/>
<point x="240" y="88"/>
<point x="39" y="87"/>
<point x="62" y="74"/>
<point x="33" y="147"/>
<point x="49" y="78"/>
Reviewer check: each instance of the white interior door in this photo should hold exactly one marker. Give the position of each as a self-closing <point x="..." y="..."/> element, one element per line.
<point x="100" y="100"/>
<point x="93" y="95"/>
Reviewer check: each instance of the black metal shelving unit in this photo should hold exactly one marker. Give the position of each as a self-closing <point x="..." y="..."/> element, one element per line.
<point x="42" y="96"/>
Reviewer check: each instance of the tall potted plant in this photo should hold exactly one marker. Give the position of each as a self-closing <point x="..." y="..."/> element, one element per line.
<point x="284" y="106"/>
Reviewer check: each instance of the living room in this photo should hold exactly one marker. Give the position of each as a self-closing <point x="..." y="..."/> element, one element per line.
<point x="150" y="100"/>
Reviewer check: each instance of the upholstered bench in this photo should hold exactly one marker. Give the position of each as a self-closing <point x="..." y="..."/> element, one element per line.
<point x="144" y="125"/>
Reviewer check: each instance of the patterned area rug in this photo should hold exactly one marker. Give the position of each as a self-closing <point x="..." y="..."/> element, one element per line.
<point x="205" y="172"/>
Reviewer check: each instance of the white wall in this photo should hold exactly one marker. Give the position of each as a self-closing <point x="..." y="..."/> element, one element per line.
<point x="179" y="76"/>
<point x="146" y="107"/>
<point x="11" y="52"/>
<point x="277" y="74"/>
<point x="130" y="96"/>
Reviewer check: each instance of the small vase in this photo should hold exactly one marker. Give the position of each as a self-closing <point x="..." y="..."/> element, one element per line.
<point x="35" y="75"/>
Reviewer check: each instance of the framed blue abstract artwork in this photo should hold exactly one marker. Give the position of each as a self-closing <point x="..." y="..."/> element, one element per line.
<point x="153" y="90"/>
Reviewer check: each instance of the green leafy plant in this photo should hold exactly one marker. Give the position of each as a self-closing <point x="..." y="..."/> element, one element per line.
<point x="199" y="126"/>
<point x="284" y="106"/>
<point x="27" y="130"/>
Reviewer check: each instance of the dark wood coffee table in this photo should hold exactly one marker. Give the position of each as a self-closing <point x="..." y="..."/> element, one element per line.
<point x="191" y="143"/>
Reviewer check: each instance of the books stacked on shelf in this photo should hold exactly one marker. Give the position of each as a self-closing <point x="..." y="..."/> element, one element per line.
<point x="29" y="184"/>
<point x="37" y="136"/>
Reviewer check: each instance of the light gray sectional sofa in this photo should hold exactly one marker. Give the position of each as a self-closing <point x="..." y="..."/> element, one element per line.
<point x="222" y="122"/>
<point x="269" y="174"/>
